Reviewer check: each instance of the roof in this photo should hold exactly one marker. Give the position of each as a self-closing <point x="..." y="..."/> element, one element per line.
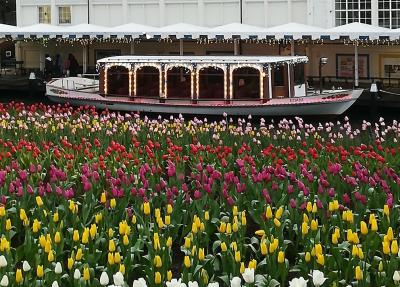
<point x="130" y="29"/>
<point x="180" y="30"/>
<point x="206" y="59"/>
<point x="295" y="31"/>
<point x="238" y="29"/>
<point x="358" y="30"/>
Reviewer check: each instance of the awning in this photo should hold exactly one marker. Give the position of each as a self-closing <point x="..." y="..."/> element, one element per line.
<point x="180" y="31"/>
<point x="83" y="30"/>
<point x="129" y="30"/>
<point x="359" y="31"/>
<point x="37" y="30"/>
<point x="295" y="31"/>
<point x="242" y="31"/>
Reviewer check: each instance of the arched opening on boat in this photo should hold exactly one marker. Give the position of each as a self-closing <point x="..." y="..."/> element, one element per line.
<point x="179" y="83"/>
<point x="212" y="83"/>
<point x="118" y="81"/>
<point x="246" y="83"/>
<point x="148" y="82"/>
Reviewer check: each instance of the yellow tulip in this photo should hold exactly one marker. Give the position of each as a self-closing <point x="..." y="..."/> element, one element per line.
<point x="75" y="236"/>
<point x="309" y="206"/>
<point x="277" y="222"/>
<point x="113" y="203"/>
<point x="201" y="254"/>
<point x="125" y="240"/>
<point x="47" y="246"/>
<point x="394" y="248"/>
<point x="55" y="217"/>
<point x="223" y="247"/>
<point x="134" y="219"/>
<point x="86" y="274"/>
<point x="314" y="208"/>
<point x="93" y="231"/>
<point x="169" y="275"/>
<point x="110" y="258"/>
<point x="22" y="214"/>
<point x="304" y="228"/>
<point x="360" y="253"/>
<point x="122" y="268"/>
<point x="260" y="232"/>
<point x="187" y="242"/>
<point x="167" y="220"/>
<point x="18" y="276"/>
<point x="354" y="251"/>
<point x="334" y="238"/>
<point x="222" y="227"/>
<point x="85" y="236"/>
<point x="2" y="211"/>
<point x="281" y="257"/>
<point x="70" y="263"/>
<point x="39" y="271"/>
<point x="386" y="210"/>
<point x="79" y="254"/>
<point x="242" y="268"/>
<point x="380" y="266"/>
<point x="252" y="264"/>
<point x="228" y="228"/>
<point x="186" y="261"/>
<point x="98" y="217"/>
<point x="103" y="198"/>
<point x="146" y="208"/>
<point x="268" y="212"/>
<point x="321" y="259"/>
<point x="50" y="256"/>
<point x="263" y="247"/>
<point x="279" y="212"/>
<point x="374" y="225"/>
<point x="244" y="220"/>
<point x="157" y="278"/>
<point x="117" y="258"/>
<point x="318" y="249"/>
<point x="363" y="228"/>
<point x="194" y="228"/>
<point x="234" y="246"/>
<point x="305" y="218"/>
<point x="111" y="245"/>
<point x="169" y="242"/>
<point x="8" y="224"/>
<point x="206" y="216"/>
<point x="390" y="234"/>
<point x="157" y="213"/>
<point x="157" y="261"/>
<point x="39" y="201"/>
<point x="331" y="206"/>
<point x="314" y="224"/>
<point x="359" y="274"/>
<point x="385" y="247"/>
<point x="169" y="208"/>
<point x="307" y="257"/>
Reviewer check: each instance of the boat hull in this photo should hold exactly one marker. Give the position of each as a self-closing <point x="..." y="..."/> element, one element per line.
<point x="326" y="104"/>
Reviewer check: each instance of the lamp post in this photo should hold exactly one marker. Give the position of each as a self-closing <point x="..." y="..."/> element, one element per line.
<point x="322" y="62"/>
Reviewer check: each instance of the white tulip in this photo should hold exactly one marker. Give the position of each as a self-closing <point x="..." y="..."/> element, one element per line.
<point x="25" y="266"/>
<point x="139" y="283"/>
<point x="55" y="284"/>
<point x="3" y="261"/>
<point x="77" y="274"/>
<point x="175" y="283"/>
<point x="318" y="278"/>
<point x="236" y="282"/>
<point x="118" y="279"/>
<point x="104" y="280"/>
<point x="58" y="268"/>
<point x="396" y="277"/>
<point x="248" y="275"/>
<point x="193" y="284"/>
<point x="213" y="284"/>
<point x="4" y="281"/>
<point x="298" y="282"/>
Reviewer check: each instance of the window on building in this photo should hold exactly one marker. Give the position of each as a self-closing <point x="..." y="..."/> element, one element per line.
<point x="389" y="13"/>
<point x="45" y="14"/>
<point x="64" y="15"/>
<point x="349" y="11"/>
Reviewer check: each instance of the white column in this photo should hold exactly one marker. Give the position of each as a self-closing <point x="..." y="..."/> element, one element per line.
<point x="125" y="11"/>
<point x="289" y="81"/>
<point x="84" y="58"/>
<point x="132" y="48"/>
<point x="356" y="76"/>
<point x="162" y="12"/>
<point x="266" y="13"/>
<point x="310" y="15"/>
<point x="201" y="8"/>
<point x="290" y="12"/>
<point x="181" y="47"/>
<point x="54" y="13"/>
<point x="374" y="12"/>
<point x="270" y="82"/>
<point x="18" y="12"/>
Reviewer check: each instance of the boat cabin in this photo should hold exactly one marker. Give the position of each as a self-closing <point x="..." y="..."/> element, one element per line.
<point x="203" y="78"/>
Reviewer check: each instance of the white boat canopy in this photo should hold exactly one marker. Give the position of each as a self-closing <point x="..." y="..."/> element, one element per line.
<point x="296" y="31"/>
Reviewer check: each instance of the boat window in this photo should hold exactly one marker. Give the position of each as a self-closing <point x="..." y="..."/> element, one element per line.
<point x="118" y="81"/>
<point x="211" y="83"/>
<point x="299" y="74"/>
<point x="179" y="83"/>
<point x="246" y="83"/>
<point x="148" y="82"/>
<point x="279" y="77"/>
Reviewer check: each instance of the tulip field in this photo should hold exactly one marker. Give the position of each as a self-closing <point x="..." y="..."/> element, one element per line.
<point x="96" y="198"/>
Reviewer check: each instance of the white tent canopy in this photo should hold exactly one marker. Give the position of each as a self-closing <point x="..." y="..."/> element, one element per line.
<point x="244" y="31"/>
<point x="81" y="30"/>
<point x="358" y="30"/>
<point x="133" y="30"/>
<point x="296" y="31"/>
<point x="179" y="30"/>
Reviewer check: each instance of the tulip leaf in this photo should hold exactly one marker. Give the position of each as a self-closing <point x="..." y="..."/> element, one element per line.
<point x="273" y="283"/>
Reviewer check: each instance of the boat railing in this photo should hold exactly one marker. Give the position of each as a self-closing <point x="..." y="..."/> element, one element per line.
<point x="76" y="86"/>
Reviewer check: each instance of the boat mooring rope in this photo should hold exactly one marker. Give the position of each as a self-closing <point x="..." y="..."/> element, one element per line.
<point x="390" y="93"/>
